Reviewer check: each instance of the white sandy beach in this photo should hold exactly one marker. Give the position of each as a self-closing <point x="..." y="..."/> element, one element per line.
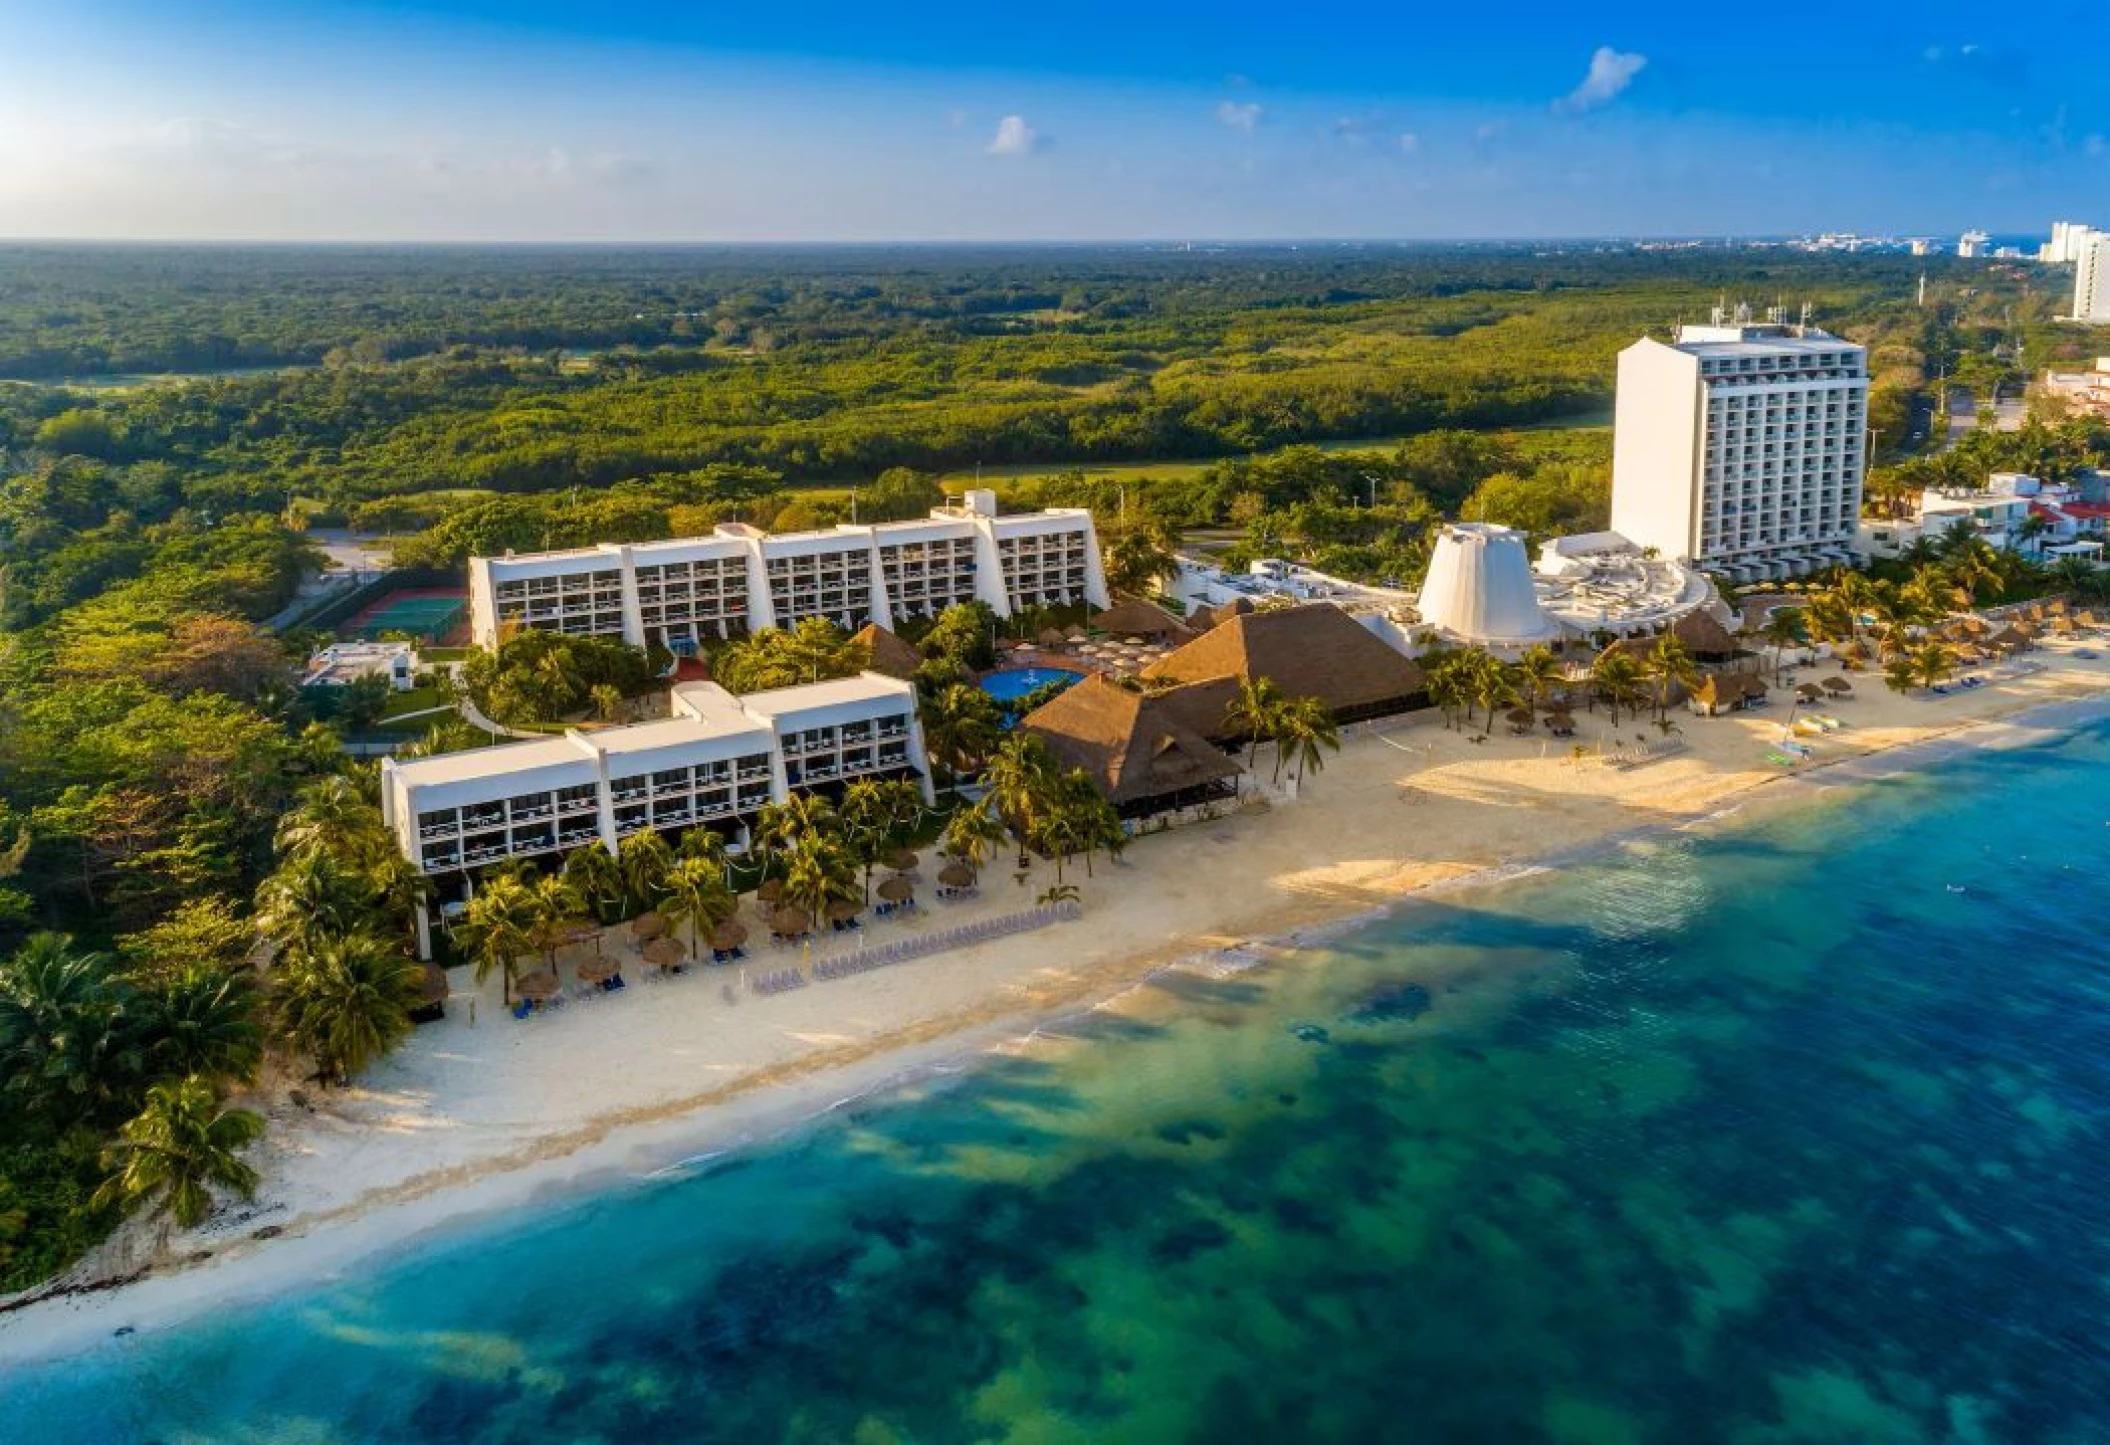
<point x="479" y="1111"/>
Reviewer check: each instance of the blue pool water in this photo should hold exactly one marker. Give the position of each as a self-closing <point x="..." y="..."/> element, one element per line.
<point x="1793" y="1131"/>
<point x="1009" y="684"/>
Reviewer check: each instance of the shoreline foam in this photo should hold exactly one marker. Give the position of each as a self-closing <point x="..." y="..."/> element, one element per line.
<point x="632" y="1147"/>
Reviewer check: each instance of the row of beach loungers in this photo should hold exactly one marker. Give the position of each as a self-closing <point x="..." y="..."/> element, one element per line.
<point x="1634" y="755"/>
<point x="864" y="960"/>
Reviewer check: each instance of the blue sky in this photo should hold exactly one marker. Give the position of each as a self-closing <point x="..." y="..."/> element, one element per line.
<point x="532" y="120"/>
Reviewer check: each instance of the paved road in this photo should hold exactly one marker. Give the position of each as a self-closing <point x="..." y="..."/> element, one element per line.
<point x="349" y="551"/>
<point x="2008" y="415"/>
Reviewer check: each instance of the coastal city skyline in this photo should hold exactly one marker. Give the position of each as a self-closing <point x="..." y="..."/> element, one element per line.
<point x="472" y="122"/>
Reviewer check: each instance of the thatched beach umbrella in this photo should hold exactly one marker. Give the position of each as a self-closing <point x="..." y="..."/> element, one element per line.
<point x="1838" y="686"/>
<point x="772" y="890"/>
<point x="1809" y="692"/>
<point x="666" y="952"/>
<point x="647" y="926"/>
<point x="729" y="934"/>
<point x="842" y="910"/>
<point x="598" y="970"/>
<point x="1049" y="637"/>
<point x="956" y="875"/>
<point x="791" y="921"/>
<point x="537" y="986"/>
<point x="903" y="861"/>
<point x="1522" y="716"/>
<point x="432" y="986"/>
<point x="897" y="890"/>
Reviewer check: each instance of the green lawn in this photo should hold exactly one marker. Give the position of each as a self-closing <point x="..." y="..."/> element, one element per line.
<point x="416" y="700"/>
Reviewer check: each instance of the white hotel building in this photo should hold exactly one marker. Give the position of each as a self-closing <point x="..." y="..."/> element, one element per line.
<point x="1740" y="449"/>
<point x="681" y="593"/>
<point x="715" y="763"/>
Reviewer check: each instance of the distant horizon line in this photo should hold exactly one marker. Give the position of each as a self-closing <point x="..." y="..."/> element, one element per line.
<point x="1722" y="238"/>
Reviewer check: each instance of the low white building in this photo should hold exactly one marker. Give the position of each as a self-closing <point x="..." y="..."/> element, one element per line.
<point x="2087" y="391"/>
<point x="715" y="763"/>
<point x="344" y="662"/>
<point x="682" y="592"/>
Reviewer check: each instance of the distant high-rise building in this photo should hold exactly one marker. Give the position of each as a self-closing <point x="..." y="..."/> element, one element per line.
<point x="2091" y="280"/>
<point x="2068" y="240"/>
<point x="1740" y="448"/>
<point x="1971" y="244"/>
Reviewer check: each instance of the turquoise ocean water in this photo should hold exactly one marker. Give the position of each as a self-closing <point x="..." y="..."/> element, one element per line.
<point x="1788" y="1131"/>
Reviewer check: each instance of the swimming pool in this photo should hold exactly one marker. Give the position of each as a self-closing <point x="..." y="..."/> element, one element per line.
<point x="1010" y="684"/>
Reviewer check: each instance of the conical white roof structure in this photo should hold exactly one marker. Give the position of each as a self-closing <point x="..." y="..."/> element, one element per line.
<point x="1479" y="588"/>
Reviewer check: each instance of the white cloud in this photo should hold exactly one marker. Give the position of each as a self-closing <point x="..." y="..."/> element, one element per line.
<point x="1014" y="137"/>
<point x="1611" y="72"/>
<point x="1239" y="117"/>
<point x="1409" y="142"/>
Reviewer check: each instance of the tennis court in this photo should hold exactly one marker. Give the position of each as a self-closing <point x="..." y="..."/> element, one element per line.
<point x="427" y="615"/>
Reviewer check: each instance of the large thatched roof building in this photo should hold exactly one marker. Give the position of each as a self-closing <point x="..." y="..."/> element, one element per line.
<point x="1133" y="617"/>
<point x="890" y="655"/>
<point x="1139" y="750"/>
<point x="1315" y="650"/>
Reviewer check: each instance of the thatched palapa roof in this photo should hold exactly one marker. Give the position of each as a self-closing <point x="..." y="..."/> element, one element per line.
<point x="1204" y="617"/>
<point x="1315" y="650"/>
<point x="1727" y="689"/>
<point x="1133" y="616"/>
<point x="1133" y="746"/>
<point x="890" y="655"/>
<point x="1703" y="635"/>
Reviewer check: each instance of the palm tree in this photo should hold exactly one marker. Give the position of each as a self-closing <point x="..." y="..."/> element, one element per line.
<point x="310" y="896"/>
<point x="873" y="810"/>
<point x="1490" y="685"/>
<point x="349" y="1001"/>
<point x="1920" y="551"/>
<point x="1785" y="627"/>
<point x="557" y="905"/>
<point x="182" y="1145"/>
<point x="1308" y="729"/>
<point x="1971" y="568"/>
<point x="972" y="834"/>
<point x="1252" y="713"/>
<point x="817" y="871"/>
<point x="1932" y="663"/>
<point x="1618" y="679"/>
<point x="1899" y="674"/>
<point x="1023" y="783"/>
<point x="1059" y="893"/>
<point x="698" y="896"/>
<point x="1447" y="684"/>
<point x="204" y="1022"/>
<point x="596" y="877"/>
<point x="2075" y="574"/>
<point x="497" y="926"/>
<point x="643" y="858"/>
<point x="1536" y="672"/>
<point x="607" y="701"/>
<point x="65" y="1038"/>
<point x="961" y="727"/>
<point x="330" y="816"/>
<point x="1669" y="662"/>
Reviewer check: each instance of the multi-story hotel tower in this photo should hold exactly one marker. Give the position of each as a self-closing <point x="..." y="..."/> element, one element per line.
<point x="1740" y="448"/>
